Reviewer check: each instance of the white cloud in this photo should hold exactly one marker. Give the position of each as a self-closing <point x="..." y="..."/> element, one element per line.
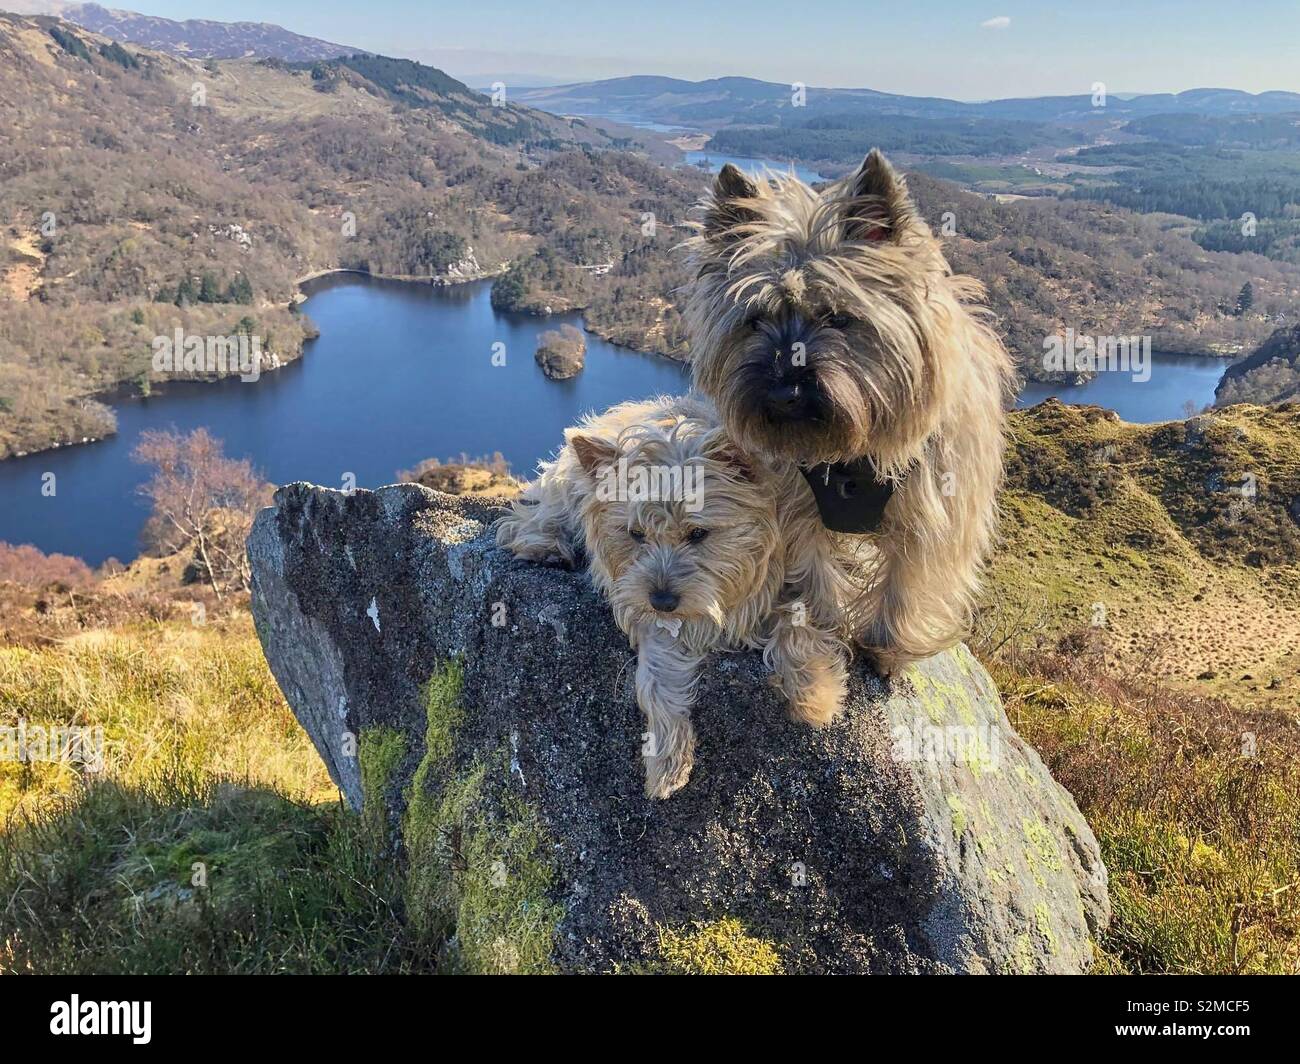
<point x="1001" y="22"/>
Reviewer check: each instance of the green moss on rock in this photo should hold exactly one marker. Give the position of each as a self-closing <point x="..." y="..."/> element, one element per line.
<point x="380" y="751"/>
<point x="479" y="873"/>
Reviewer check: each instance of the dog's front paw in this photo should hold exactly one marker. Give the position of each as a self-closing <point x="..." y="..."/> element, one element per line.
<point x="887" y="663"/>
<point x="819" y="699"/>
<point x="667" y="771"/>
<point x="547" y="553"/>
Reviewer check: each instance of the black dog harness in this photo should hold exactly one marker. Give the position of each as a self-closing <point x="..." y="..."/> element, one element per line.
<point x="849" y="497"/>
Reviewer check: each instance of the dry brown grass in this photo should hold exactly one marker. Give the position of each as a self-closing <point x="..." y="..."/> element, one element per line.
<point x="1196" y="803"/>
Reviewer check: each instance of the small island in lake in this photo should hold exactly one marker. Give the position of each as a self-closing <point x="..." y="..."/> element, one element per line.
<point x="561" y="352"/>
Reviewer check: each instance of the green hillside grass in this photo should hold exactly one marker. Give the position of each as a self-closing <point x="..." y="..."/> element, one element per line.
<point x="1136" y="543"/>
<point x="208" y="777"/>
<point x="1194" y="803"/>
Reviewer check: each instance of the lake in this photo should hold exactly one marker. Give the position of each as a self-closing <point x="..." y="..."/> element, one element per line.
<point x="712" y="162"/>
<point x="401" y="373"/>
<point x="1176" y="380"/>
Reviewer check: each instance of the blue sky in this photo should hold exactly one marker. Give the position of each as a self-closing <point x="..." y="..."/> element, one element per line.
<point x="920" y="47"/>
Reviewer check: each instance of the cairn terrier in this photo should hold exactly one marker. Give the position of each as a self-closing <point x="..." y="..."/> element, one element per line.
<point x="832" y="335"/>
<point x="685" y="535"/>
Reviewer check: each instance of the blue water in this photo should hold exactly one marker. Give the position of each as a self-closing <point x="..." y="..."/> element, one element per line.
<point x="635" y="121"/>
<point x="714" y="161"/>
<point x="1176" y="381"/>
<point x="400" y="373"/>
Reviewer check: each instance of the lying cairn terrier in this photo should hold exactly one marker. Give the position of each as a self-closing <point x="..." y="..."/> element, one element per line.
<point x="833" y="337"/>
<point x="688" y="539"/>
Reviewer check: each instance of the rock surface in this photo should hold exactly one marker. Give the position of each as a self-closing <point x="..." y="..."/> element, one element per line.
<point x="918" y="833"/>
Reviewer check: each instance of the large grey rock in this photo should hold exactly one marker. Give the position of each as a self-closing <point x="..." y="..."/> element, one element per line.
<point x="918" y="833"/>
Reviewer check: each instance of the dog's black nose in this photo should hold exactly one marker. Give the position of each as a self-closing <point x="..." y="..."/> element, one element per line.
<point x="664" y="601"/>
<point x="789" y="400"/>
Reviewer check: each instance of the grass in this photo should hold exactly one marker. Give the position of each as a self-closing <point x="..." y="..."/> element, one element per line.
<point x="1195" y="804"/>
<point x="164" y="695"/>
<point x="212" y="841"/>
<point x="1140" y="533"/>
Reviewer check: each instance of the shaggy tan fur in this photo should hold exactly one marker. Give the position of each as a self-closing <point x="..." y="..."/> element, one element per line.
<point x="719" y="552"/>
<point x="845" y="299"/>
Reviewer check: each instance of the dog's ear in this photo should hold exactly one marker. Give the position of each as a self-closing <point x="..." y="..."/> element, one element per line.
<point x="725" y="452"/>
<point x="878" y="207"/>
<point x="594" y="454"/>
<point x="726" y="208"/>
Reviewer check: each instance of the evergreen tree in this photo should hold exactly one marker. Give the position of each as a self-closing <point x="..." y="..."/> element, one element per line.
<point x="240" y="291"/>
<point x="209" y="292"/>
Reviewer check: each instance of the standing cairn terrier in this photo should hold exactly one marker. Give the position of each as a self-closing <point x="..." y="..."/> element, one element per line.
<point x="833" y="337"/>
<point x="688" y="538"/>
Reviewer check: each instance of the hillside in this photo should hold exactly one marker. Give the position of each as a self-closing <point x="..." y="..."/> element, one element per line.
<point x="145" y="192"/>
<point x="196" y="38"/>
<point x="1170" y="552"/>
<point x="1270" y="374"/>
<point x="1104" y="271"/>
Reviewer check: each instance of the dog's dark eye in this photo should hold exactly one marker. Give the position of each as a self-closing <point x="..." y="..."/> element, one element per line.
<point x="840" y="321"/>
<point x="697" y="535"/>
<point x="755" y="323"/>
<point x="636" y="534"/>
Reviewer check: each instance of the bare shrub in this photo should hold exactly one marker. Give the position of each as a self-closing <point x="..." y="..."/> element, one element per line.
<point x="203" y="502"/>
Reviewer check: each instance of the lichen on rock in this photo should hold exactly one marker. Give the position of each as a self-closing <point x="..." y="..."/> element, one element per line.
<point x="723" y="947"/>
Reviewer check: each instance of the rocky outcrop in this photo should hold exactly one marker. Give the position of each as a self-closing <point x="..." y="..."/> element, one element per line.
<point x="482" y="708"/>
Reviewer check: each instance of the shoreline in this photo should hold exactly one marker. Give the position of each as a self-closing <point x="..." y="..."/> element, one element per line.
<point x="433" y="282"/>
<point x="119" y="392"/>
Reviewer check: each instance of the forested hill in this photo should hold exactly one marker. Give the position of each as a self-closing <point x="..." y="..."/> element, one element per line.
<point x="145" y="192"/>
<point x="718" y="102"/>
<point x="1271" y="374"/>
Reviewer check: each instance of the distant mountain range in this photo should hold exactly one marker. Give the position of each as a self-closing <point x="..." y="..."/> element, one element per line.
<point x="193" y="38"/>
<point x="708" y="104"/>
<point x="734" y="100"/>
